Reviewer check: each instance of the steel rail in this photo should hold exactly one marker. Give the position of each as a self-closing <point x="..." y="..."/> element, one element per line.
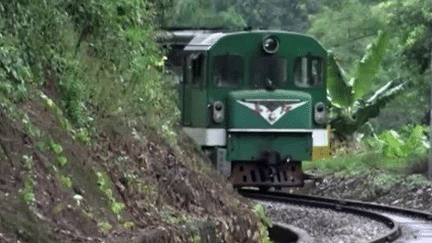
<point x="333" y="204"/>
<point x="373" y="206"/>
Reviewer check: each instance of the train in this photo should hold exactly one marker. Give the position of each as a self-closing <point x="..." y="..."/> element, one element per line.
<point x="254" y="100"/>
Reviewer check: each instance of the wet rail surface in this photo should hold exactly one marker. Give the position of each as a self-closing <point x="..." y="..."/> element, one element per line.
<point x="405" y="225"/>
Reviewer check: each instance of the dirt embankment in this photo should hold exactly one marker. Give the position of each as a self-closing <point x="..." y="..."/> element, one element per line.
<point x="127" y="184"/>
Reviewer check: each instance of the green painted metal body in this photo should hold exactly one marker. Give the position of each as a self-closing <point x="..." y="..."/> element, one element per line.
<point x="251" y="146"/>
<point x="250" y="134"/>
<point x="246" y="135"/>
<point x="241" y="116"/>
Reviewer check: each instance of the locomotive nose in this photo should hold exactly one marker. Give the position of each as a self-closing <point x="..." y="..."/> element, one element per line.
<point x="263" y="109"/>
<point x="279" y="121"/>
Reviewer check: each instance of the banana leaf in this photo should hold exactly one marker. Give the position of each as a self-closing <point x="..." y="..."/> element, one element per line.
<point x="338" y="91"/>
<point x="346" y="124"/>
<point x="368" y="67"/>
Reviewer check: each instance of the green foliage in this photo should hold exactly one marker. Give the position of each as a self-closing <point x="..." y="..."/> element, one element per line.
<point x="259" y="211"/>
<point x="274" y="14"/>
<point x="128" y="225"/>
<point x="31" y="129"/>
<point x="13" y="72"/>
<point x="105" y="186"/>
<point x="344" y="27"/>
<point x="54" y="147"/>
<point x="27" y="192"/>
<point x="73" y="95"/>
<point x="263" y="224"/>
<point x="66" y="181"/>
<point x="82" y="135"/>
<point x="417" y="180"/>
<point x="27" y="162"/>
<point x="347" y="27"/>
<point x="61" y="160"/>
<point x="117" y="207"/>
<point x="105" y="227"/>
<point x="383" y="182"/>
<point x="350" y="109"/>
<point x="342" y="92"/>
<point x="205" y="15"/>
<point x="394" y="146"/>
<point x="176" y="219"/>
<point x="94" y="59"/>
<point x="339" y="92"/>
<point x="236" y="14"/>
<point x="368" y="67"/>
<point x="57" y="112"/>
<point x="397" y="152"/>
<point x="361" y="160"/>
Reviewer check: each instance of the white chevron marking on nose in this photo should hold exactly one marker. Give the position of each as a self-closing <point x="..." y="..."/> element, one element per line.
<point x="272" y="116"/>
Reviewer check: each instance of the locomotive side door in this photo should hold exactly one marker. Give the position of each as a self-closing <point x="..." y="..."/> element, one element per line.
<point x="194" y="107"/>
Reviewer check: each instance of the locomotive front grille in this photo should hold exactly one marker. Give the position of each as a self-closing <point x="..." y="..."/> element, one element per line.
<point x="287" y="174"/>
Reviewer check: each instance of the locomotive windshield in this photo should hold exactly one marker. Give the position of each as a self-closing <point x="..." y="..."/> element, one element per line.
<point x="228" y="70"/>
<point x="308" y="72"/>
<point x="269" y="69"/>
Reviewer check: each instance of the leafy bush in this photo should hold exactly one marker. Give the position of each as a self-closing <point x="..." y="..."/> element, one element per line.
<point x="349" y="107"/>
<point x="92" y="59"/>
<point x="393" y="144"/>
<point x="347" y="27"/>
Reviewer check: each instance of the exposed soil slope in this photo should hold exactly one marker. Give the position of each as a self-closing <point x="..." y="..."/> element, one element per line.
<point x="127" y="184"/>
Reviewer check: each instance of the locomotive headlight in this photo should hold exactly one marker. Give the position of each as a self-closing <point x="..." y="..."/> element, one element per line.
<point x="218" y="111"/>
<point x="320" y="113"/>
<point x="271" y="45"/>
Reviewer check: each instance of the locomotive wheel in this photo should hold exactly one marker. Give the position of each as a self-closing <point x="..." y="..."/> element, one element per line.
<point x="284" y="175"/>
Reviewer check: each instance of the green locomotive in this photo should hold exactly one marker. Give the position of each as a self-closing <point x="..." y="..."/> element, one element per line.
<point x="254" y="100"/>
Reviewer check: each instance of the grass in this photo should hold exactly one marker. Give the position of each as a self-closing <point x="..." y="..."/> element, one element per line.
<point x="363" y="160"/>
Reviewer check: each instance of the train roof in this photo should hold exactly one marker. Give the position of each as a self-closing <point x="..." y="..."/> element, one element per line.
<point x="183" y="37"/>
<point x="203" y="40"/>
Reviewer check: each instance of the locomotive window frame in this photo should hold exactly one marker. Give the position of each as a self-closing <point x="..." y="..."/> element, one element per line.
<point x="195" y="69"/>
<point x="309" y="71"/>
<point x="228" y="72"/>
<point x="267" y="65"/>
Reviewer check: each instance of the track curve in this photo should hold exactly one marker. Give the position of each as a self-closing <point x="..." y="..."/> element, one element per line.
<point x="347" y="206"/>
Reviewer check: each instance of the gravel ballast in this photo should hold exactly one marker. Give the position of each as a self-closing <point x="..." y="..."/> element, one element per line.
<point x="324" y="225"/>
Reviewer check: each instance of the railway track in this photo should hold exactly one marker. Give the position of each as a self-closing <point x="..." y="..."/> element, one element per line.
<point x="404" y="225"/>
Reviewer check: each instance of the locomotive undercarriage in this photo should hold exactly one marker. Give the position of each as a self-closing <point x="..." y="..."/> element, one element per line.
<point x="271" y="171"/>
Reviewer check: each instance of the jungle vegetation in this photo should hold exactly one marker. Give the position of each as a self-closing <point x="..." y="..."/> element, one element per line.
<point x="382" y="80"/>
<point x="58" y="40"/>
<point x="95" y="65"/>
<point x="119" y="39"/>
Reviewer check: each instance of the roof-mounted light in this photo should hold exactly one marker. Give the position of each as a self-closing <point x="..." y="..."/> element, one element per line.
<point x="271" y="45"/>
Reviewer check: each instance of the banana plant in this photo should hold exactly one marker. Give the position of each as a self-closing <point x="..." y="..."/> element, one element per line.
<point x="349" y="107"/>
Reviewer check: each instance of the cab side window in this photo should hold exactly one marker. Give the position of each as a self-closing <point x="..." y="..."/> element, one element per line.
<point x="228" y="70"/>
<point x="195" y="69"/>
<point x="308" y="72"/>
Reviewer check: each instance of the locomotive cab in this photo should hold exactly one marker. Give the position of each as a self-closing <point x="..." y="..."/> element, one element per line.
<point x="256" y="102"/>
